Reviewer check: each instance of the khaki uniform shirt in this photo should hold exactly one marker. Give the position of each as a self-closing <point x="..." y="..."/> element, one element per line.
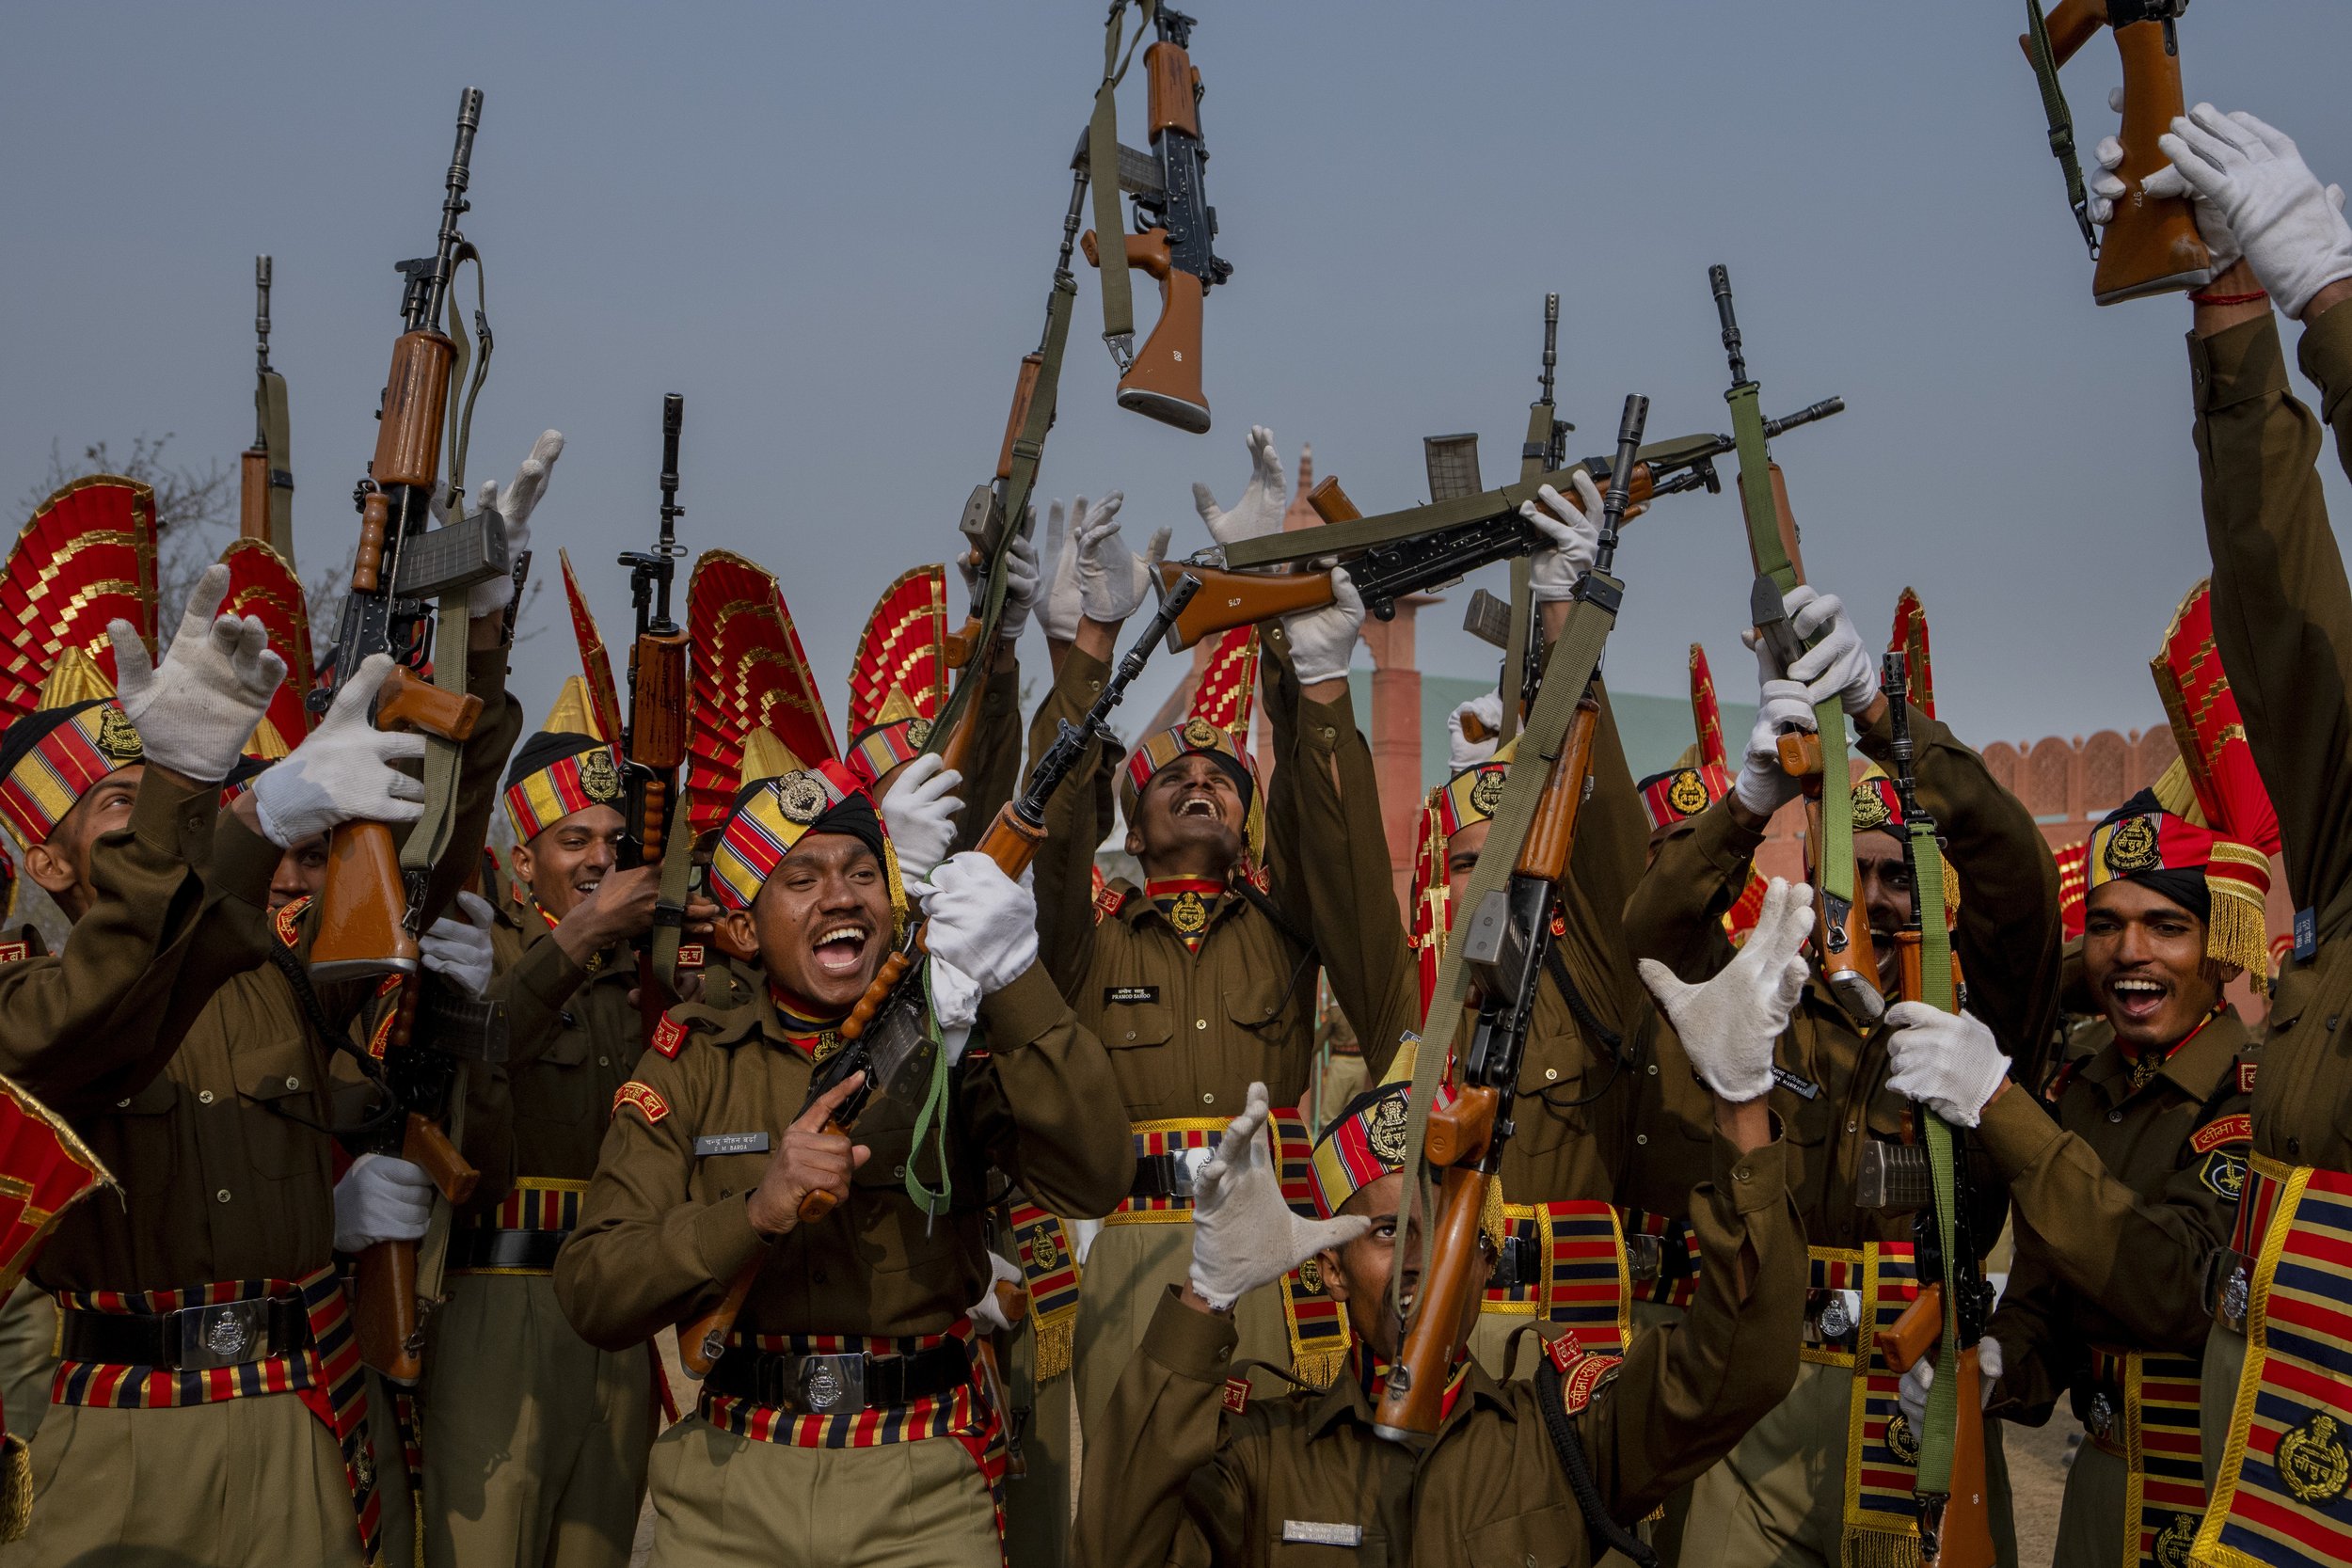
<point x="665" y="1226"/>
<point x="1188" y="1032"/>
<point x="1562" y="1151"/>
<point x="1175" y="1478"/>
<point x="219" y="1135"/>
<point x="1831" y="1094"/>
<point x="2119" y="1209"/>
<point x="2282" y="620"/>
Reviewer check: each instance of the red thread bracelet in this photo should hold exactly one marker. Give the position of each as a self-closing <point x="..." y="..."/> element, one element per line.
<point x="2229" y="299"/>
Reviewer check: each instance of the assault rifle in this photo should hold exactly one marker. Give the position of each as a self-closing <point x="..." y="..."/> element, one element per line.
<point x="1422" y="547"/>
<point x="1947" y="1318"/>
<point x="887" y="1036"/>
<point x="376" y="890"/>
<point x="1175" y="230"/>
<point x="655" y="746"/>
<point x="1842" y="932"/>
<point x="2153" y="247"/>
<point x="1505" y="947"/>
<point x="265" y="476"/>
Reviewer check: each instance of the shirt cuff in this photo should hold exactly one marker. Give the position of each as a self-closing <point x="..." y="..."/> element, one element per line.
<point x="174" y="821"/>
<point x="2015" y="1130"/>
<point x="1080" y="678"/>
<point x="1023" y="1012"/>
<point x="1189" y="1342"/>
<point x="486" y="676"/>
<point x="1728" y="846"/>
<point x="2325" y="355"/>
<point x="2238" y="364"/>
<point x="724" y="1237"/>
<point x="1756" y="1179"/>
<point x="1327" y="726"/>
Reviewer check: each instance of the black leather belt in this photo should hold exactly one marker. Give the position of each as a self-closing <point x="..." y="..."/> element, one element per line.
<point x="194" y="1338"/>
<point x="1521" y="1264"/>
<point x="1162" y="1175"/>
<point x="838" y="1385"/>
<point x="505" y="1249"/>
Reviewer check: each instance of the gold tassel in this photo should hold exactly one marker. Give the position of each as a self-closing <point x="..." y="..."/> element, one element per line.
<point x="1878" y="1549"/>
<point x="16" y="1488"/>
<point x="2235" y="933"/>
<point x="1952" y="891"/>
<point x="1320" y="1367"/>
<point x="1055" y="1341"/>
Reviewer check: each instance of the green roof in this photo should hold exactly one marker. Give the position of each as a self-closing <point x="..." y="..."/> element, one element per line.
<point x="1656" y="729"/>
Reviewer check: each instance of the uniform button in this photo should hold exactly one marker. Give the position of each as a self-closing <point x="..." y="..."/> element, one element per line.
<point x="1641" y="1138"/>
<point x="604" y="1061"/>
<point x="1199" y="1024"/>
<point x="1131" y="1033"/>
<point x="221" y="1197"/>
<point x="1741" y="1174"/>
<point x="122" y="1104"/>
<point x="1653" y="1070"/>
<point x="2295" y="1146"/>
<point x="293" y="1083"/>
<point x="1550" y="1072"/>
<point x="2115" y="1114"/>
<point x="901" y="1172"/>
<point x="203" y="1096"/>
<point x="1852" y="1126"/>
<point x="1208" y="1099"/>
<point x="1222" y="1353"/>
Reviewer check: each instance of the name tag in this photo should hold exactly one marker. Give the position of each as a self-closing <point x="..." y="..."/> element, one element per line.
<point x="1311" y="1533"/>
<point x="1112" y="995"/>
<point x="708" y="1144"/>
<point x="2306" y="934"/>
<point x="1795" y="1084"/>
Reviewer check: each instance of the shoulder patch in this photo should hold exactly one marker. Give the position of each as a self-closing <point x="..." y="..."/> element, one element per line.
<point x="1107" y="903"/>
<point x="287" y="922"/>
<point x="668" y="1036"/>
<point x="690" y="955"/>
<point x="2225" y="1173"/>
<point x="1236" y="1393"/>
<point x="649" y="1104"/>
<point x="15" y="952"/>
<point x="1582" y="1375"/>
<point x="2245" y="1077"/>
<point x="380" y="1037"/>
<point x="2238" y="1129"/>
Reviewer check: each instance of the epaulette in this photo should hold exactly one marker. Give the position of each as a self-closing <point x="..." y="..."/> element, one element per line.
<point x="25" y="943"/>
<point x="2238" y="1129"/>
<point x="287" y="922"/>
<point x="690" y="955"/>
<point x="648" y="1102"/>
<point x="1582" y="1373"/>
<point x="668" y="1036"/>
<point x="1236" y="1397"/>
<point x="2246" y="1076"/>
<point x="721" y="1014"/>
<point x="15" y="952"/>
<point x="1109" y="902"/>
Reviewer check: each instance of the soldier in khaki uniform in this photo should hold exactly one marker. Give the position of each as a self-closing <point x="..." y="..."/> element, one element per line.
<point x="534" y="1440"/>
<point x="1189" y="1465"/>
<point x="208" y="1288"/>
<point x="1783" y="1494"/>
<point x="843" y="1420"/>
<point x="2125" y="1195"/>
<point x="2282" y="623"/>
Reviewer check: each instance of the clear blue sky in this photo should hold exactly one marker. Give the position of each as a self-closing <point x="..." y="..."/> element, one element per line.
<point x="831" y="227"/>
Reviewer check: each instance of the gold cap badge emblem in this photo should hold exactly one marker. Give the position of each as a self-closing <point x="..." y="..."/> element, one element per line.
<point x="1201" y="734"/>
<point x="1869" y="806"/>
<point x="1387" y="1133"/>
<point x="599" y="780"/>
<point x="1687" y="793"/>
<point x="2132" y="847"/>
<point x="118" y="738"/>
<point x="801" y="798"/>
<point x="1485" y="793"/>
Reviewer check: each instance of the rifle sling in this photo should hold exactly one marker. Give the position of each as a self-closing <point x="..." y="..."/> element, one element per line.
<point x="269" y="401"/>
<point x="1567" y="672"/>
<point x="1118" y="309"/>
<point x="2061" y="120"/>
<point x="678" y="874"/>
<point x="1569" y="1449"/>
<point x="1935" y="968"/>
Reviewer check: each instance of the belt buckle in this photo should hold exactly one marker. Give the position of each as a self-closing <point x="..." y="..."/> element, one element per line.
<point x="227" y="1334"/>
<point x="1644" y="1257"/>
<point x="1180" y="1174"/>
<point x="828" y="1384"/>
<point x="2100" y="1417"/>
<point x="2230" y="1287"/>
<point x="1516" y="1265"/>
<point x="1835" y="1315"/>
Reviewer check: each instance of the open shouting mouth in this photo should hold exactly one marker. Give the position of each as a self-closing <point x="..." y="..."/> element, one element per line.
<point x="840" y="948"/>
<point x="2137" y="997"/>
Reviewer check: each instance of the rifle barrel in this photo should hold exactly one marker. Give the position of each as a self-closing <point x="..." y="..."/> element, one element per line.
<point x="426" y="301"/>
<point x="1719" y="279"/>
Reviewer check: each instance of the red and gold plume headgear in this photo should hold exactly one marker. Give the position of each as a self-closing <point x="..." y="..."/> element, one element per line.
<point x="749" y="675"/>
<point x="898" y="676"/>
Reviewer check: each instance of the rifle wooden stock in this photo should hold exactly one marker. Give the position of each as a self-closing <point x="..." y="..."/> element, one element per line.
<point x="406" y="703"/>
<point x="703" y="1340"/>
<point x="416" y="396"/>
<point x="1332" y="503"/>
<point x="1174" y="88"/>
<point x="1414" y="1401"/>
<point x="1230" y="599"/>
<point x="1552" y="833"/>
<point x="2153" y="247"/>
<point x="1165" y="380"/>
<point x="253" y="495"/>
<point x="1912" y="1338"/>
<point x="384" y="1310"/>
<point x="1965" y="1538"/>
<point x="1024" y="390"/>
<point x="992" y="1384"/>
<point x="1848" y="958"/>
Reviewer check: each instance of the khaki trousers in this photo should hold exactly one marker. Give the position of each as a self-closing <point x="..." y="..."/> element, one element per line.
<point x="723" y="1502"/>
<point x="2225" y="1363"/>
<point x="244" y="1482"/>
<point x="534" y="1440"/>
<point x="1037" y="1507"/>
<point x="2091" y="1518"/>
<point x="28" y="1338"/>
<point x="1779" y="1497"/>
<point x="1127" y="1271"/>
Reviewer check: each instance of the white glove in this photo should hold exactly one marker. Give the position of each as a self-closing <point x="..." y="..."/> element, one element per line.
<point x="1837" y="665"/>
<point x="2106" y="188"/>
<point x="2291" y="229"/>
<point x="1262" y="505"/>
<point x="343" y="770"/>
<point x="459" y="950"/>
<point x="514" y="506"/>
<point x="1574" y="530"/>
<point x="982" y="921"/>
<point x="1244" y="1236"/>
<point x="194" y="712"/>
<point x="1065" y="599"/>
<point x="1323" y="641"/>
<point x="988" y="1313"/>
<point x="1948" y="1061"/>
<point x="381" y="1198"/>
<point x="920" y="812"/>
<point x="1020" y="587"/>
<point x="1730" y="1024"/>
<point x="1462" y="752"/>
<point x="1764" y="785"/>
<point x="1113" y="579"/>
<point x="1913" y="1395"/>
